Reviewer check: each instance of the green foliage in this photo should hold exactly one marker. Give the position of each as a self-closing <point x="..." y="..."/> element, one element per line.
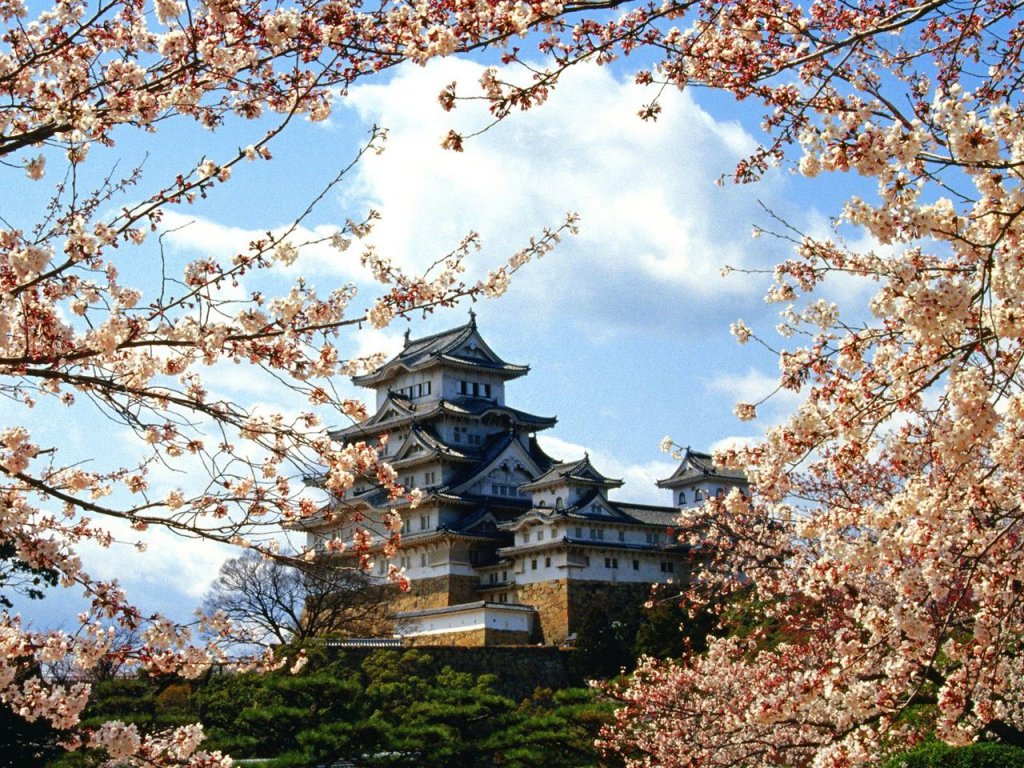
<point x="555" y="729"/>
<point x="25" y="743"/>
<point x="394" y="709"/>
<point x="668" y="631"/>
<point x="604" y="640"/>
<point x="935" y="754"/>
<point x="17" y="576"/>
<point x="612" y="635"/>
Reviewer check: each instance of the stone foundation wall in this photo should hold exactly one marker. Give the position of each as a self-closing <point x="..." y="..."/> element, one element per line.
<point x="587" y="596"/>
<point x="551" y="599"/>
<point x="471" y="638"/>
<point x="437" y="592"/>
<point x="562" y="605"/>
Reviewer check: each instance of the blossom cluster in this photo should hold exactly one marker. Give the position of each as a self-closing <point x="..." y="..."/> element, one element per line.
<point x="76" y="333"/>
<point x="879" y="551"/>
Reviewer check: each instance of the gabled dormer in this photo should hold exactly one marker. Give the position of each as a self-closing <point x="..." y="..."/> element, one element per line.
<point x="697" y="479"/>
<point x="451" y="364"/>
<point x="566" y="483"/>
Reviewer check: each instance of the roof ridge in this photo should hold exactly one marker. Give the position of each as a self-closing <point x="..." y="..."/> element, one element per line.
<point x="434" y="336"/>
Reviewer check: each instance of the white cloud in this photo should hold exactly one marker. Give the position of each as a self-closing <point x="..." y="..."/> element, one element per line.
<point x="172" y="571"/>
<point x="202" y="236"/>
<point x="655" y="230"/>
<point x="753" y="387"/>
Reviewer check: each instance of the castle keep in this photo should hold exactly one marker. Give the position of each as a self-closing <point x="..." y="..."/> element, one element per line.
<point x="508" y="545"/>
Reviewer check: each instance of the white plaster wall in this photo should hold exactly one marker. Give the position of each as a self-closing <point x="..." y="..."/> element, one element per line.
<point x="649" y="572"/>
<point x="569" y="496"/>
<point x="411" y="379"/>
<point x="491" y="617"/>
<point x="527" y="574"/>
<point x="437" y="563"/>
<point x="450" y="384"/>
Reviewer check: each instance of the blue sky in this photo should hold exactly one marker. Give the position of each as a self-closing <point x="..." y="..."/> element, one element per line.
<point x="625" y="326"/>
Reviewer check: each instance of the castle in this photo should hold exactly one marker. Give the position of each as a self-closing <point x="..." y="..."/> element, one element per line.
<point x="508" y="545"/>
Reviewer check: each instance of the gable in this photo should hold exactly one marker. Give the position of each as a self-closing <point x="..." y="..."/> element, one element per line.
<point x="475" y="349"/>
<point x="514" y="461"/>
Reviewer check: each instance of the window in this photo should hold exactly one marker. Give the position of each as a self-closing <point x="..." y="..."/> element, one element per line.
<point x="719" y="492"/>
<point x="405" y="561"/>
<point x="541" y="504"/>
<point x="611" y="562"/>
<point x="668" y="567"/>
<point x="533" y="565"/>
<point x="597" y="534"/>
<point x="504" y="575"/>
<point x="423" y="560"/>
<point x="424" y="522"/>
<point x="408" y="481"/>
<point x="653" y="538"/>
<point x="547" y="562"/>
<point x="474" y="388"/>
<point x="622" y="535"/>
<point x="540" y="535"/>
<point x="419" y="390"/>
<point x="405" y="526"/>
<point x="503" y="489"/>
<point x="579" y="532"/>
<point x="682" y="498"/>
<point x="636" y="565"/>
<point x="429" y="478"/>
<point x="459" y="434"/>
<point x="526" y="537"/>
<point x="503" y="597"/>
<point x="558" y="502"/>
<point x="492" y="578"/>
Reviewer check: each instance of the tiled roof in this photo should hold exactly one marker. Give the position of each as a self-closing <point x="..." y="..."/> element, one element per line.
<point x="435" y="447"/>
<point x="472" y="407"/>
<point x="431" y="350"/>
<point x="630" y="514"/>
<point x="696" y="467"/>
<point x="650" y="515"/>
<point x="489" y="451"/>
<point x="580" y="472"/>
<point x="465" y="607"/>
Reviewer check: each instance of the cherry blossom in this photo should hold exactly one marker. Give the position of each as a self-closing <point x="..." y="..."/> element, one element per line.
<point x="76" y="334"/>
<point x="879" y="554"/>
<point x="883" y="537"/>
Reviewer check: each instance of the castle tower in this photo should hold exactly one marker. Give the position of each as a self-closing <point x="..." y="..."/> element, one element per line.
<point x="507" y="545"/>
<point x="697" y="479"/>
<point x="441" y="410"/>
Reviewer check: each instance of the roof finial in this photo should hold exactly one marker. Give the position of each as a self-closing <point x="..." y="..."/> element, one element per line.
<point x="472" y="317"/>
<point x="407" y="337"/>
